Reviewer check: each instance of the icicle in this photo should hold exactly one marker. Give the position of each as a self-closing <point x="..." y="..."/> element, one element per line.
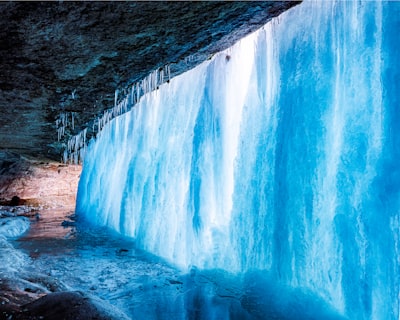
<point x="168" y="72"/>
<point x="84" y="136"/>
<point x="161" y="76"/>
<point x="134" y="94"/>
<point x="65" y="156"/>
<point x="116" y="97"/>
<point x="77" y="144"/>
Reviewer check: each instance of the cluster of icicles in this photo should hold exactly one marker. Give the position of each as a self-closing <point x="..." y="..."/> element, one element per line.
<point x="75" y="148"/>
<point x="64" y="120"/>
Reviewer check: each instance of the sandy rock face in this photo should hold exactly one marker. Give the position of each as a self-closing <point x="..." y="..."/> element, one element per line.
<point x="31" y="182"/>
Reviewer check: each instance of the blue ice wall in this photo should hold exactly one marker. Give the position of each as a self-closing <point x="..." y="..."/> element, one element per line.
<point x="279" y="154"/>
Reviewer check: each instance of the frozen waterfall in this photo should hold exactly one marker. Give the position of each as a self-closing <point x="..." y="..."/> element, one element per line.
<point x="281" y="154"/>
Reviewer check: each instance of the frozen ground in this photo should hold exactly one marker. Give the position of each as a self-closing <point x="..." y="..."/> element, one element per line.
<point x="108" y="266"/>
<point x="59" y="254"/>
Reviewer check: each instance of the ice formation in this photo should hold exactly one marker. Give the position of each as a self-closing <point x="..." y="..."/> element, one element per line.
<point x="13" y="227"/>
<point x="11" y="259"/>
<point x="75" y="149"/>
<point x="279" y="154"/>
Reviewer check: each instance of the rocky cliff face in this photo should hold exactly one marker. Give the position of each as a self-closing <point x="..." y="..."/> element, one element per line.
<point x="45" y="184"/>
<point x="72" y="56"/>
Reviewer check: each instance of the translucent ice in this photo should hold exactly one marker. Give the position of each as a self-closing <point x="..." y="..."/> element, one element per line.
<point x="279" y="154"/>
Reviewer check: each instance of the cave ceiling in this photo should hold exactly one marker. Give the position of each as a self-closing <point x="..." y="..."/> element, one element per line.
<point x="72" y="56"/>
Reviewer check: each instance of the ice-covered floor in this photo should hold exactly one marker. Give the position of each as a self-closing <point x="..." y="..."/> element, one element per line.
<point x="104" y="264"/>
<point x="108" y="266"/>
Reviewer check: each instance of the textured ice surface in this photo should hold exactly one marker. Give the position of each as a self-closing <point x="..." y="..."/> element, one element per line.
<point x="144" y="287"/>
<point x="12" y="261"/>
<point x="279" y="154"/>
<point x="13" y="227"/>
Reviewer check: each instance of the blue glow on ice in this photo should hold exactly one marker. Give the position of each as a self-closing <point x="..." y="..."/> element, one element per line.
<point x="280" y="154"/>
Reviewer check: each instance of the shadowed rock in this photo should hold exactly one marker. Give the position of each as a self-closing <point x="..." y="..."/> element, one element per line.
<point x="72" y="56"/>
<point x="67" y="306"/>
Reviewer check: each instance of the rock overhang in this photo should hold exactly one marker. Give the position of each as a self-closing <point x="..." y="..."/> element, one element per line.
<point x="71" y="57"/>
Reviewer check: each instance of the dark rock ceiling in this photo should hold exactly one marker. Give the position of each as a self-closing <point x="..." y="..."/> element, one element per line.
<point x="72" y="56"/>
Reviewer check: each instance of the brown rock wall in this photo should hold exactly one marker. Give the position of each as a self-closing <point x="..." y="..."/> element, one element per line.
<point x="47" y="184"/>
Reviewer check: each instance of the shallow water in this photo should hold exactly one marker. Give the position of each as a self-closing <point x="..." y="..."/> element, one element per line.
<point x="104" y="264"/>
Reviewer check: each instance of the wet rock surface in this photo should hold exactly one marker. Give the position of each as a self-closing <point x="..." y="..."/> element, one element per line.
<point x="72" y="56"/>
